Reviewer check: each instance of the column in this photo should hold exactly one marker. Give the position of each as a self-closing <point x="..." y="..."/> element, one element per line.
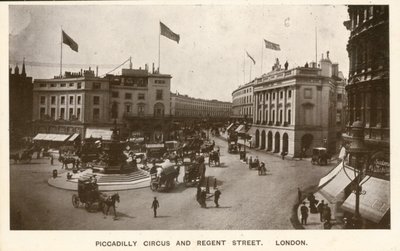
<point x="256" y="106"/>
<point x="284" y="105"/>
<point x="262" y="106"/>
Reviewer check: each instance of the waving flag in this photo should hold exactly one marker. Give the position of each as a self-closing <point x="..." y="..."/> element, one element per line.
<point x="167" y="32"/>
<point x="273" y="46"/>
<point x="252" y="59"/>
<point x="69" y="41"/>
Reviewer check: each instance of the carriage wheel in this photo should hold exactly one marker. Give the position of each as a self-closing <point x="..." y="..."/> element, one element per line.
<point x="75" y="201"/>
<point x="88" y="206"/>
<point x="153" y="186"/>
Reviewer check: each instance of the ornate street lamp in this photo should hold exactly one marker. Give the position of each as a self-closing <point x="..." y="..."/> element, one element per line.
<point x="359" y="159"/>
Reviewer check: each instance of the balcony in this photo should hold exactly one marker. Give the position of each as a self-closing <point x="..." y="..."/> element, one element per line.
<point x="271" y="123"/>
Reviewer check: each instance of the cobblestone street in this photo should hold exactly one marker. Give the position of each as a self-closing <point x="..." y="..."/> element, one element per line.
<point x="248" y="201"/>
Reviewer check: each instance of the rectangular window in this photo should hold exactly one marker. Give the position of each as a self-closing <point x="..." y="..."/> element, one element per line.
<point x="141" y="96"/>
<point x="71" y="84"/>
<point x="42" y="85"/>
<point x="71" y="113"/>
<point x="115" y="94"/>
<point x="63" y="85"/>
<point x="52" y="85"/>
<point x="289" y="119"/>
<point x="71" y="100"/>
<point x="96" y="86"/>
<point x="42" y="100"/>
<point x="79" y="85"/>
<point x="79" y="100"/>
<point x="96" y="100"/>
<point x="62" y="100"/>
<point x="42" y="112"/>
<point x="281" y="95"/>
<point x="53" y="100"/>
<point x="78" y="113"/>
<point x="290" y="93"/>
<point x="159" y="95"/>
<point x="140" y="109"/>
<point x="53" y="113"/>
<point x="273" y="96"/>
<point x="96" y="114"/>
<point x="62" y="113"/>
<point x="128" y="95"/>
<point x="307" y="93"/>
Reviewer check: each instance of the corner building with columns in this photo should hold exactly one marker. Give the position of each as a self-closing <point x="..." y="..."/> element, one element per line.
<point x="296" y="109"/>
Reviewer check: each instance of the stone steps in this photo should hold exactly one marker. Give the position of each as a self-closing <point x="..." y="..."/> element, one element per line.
<point x="118" y="178"/>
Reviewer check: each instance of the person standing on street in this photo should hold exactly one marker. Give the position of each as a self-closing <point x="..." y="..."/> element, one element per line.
<point x="203" y="197"/>
<point x="217" y="194"/>
<point x="320" y="208"/>
<point x="155" y="205"/>
<point x="51" y="159"/>
<point x="327" y="213"/>
<point x="304" y="214"/>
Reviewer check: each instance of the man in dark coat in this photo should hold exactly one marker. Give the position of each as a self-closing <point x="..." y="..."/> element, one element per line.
<point x="155" y="205"/>
<point x="304" y="214"/>
<point x="327" y="213"/>
<point x="320" y="208"/>
<point x="203" y="197"/>
<point x="217" y="194"/>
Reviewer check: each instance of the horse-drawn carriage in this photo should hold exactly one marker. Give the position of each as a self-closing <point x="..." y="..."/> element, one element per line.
<point x="207" y="147"/>
<point x="320" y="156"/>
<point x="164" y="177"/>
<point x="192" y="172"/>
<point x="233" y="147"/>
<point x="93" y="200"/>
<point x="214" y="158"/>
<point x="24" y="156"/>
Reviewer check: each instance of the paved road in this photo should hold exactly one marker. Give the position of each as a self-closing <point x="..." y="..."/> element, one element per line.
<point x="248" y="201"/>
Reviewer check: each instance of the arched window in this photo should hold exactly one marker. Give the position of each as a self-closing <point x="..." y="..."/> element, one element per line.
<point x="159" y="109"/>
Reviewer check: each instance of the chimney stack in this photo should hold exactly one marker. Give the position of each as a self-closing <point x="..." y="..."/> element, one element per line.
<point x="97" y="71"/>
<point x="153" y="69"/>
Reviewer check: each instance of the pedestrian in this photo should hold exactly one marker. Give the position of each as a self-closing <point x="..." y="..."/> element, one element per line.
<point x="203" y="197"/>
<point x="320" y="208"/>
<point x="304" y="214"/>
<point x="155" y="205"/>
<point x="327" y="224"/>
<point x="217" y="194"/>
<point x="299" y="194"/>
<point x="327" y="213"/>
<point x="198" y="195"/>
<point x="51" y="159"/>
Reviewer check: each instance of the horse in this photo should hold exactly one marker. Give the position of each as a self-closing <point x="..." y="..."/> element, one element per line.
<point x="26" y="155"/>
<point x="67" y="160"/>
<point x="108" y="201"/>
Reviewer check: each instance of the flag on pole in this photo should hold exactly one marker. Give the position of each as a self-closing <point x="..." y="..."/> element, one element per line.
<point x="273" y="46"/>
<point x="167" y="32"/>
<point x="252" y="59"/>
<point x="69" y="41"/>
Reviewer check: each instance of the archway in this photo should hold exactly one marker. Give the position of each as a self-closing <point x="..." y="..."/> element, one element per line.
<point x="277" y="142"/>
<point x="285" y="146"/>
<point x="306" y="142"/>
<point x="262" y="140"/>
<point x="269" y="141"/>
<point x="257" y="138"/>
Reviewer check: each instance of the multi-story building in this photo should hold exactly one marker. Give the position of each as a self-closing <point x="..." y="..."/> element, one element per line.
<point x="70" y="104"/>
<point x="20" y="94"/>
<point x="368" y="114"/>
<point x="185" y="106"/>
<point x="242" y="101"/>
<point x="296" y="109"/>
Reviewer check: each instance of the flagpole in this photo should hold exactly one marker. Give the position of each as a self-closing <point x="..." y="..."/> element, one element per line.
<point x="316" y="44"/>
<point x="61" y="52"/>
<point x="159" y="41"/>
<point x="250" y="74"/>
<point x="244" y="67"/>
<point x="262" y="56"/>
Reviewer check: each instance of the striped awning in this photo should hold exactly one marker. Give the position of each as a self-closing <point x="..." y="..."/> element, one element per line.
<point x="154" y="145"/>
<point x="229" y="127"/>
<point x="96" y="133"/>
<point x="51" y="137"/>
<point x="73" y="137"/>
<point x="374" y="199"/>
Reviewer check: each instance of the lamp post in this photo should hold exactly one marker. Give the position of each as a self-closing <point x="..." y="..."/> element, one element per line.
<point x="359" y="157"/>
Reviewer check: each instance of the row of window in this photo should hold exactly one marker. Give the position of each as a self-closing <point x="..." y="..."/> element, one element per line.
<point x="366" y="13"/>
<point x="272" y="119"/>
<point x="78" y="85"/>
<point x="141" y="96"/>
<point x="267" y="95"/>
<point x="53" y="100"/>
<point x="244" y="91"/>
<point x="61" y="113"/>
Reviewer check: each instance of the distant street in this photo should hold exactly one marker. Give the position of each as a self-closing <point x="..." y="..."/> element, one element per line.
<point x="248" y="201"/>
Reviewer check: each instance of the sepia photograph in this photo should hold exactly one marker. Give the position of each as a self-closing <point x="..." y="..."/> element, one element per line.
<point x="156" y="116"/>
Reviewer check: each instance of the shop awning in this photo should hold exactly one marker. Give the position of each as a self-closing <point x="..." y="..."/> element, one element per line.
<point x="51" y="137"/>
<point x="330" y="175"/>
<point x="240" y="129"/>
<point x="104" y="134"/>
<point x="336" y="186"/>
<point x="73" y="137"/>
<point x="40" y="136"/>
<point x="374" y="203"/>
<point x="229" y="127"/>
<point x="154" y="145"/>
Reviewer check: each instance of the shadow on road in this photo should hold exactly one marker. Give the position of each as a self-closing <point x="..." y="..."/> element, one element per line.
<point x="163" y="216"/>
<point x="122" y="215"/>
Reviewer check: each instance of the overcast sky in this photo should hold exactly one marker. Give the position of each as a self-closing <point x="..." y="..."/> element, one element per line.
<point x="207" y="62"/>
